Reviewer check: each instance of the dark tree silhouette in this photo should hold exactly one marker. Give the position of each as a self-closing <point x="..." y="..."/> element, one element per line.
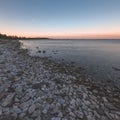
<point x="4" y="36"/>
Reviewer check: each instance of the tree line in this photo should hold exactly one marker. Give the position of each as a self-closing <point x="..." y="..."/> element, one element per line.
<point x="4" y="36"/>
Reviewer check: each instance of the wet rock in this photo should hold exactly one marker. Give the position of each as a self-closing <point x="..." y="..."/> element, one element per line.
<point x="39" y="51"/>
<point x="44" y="51"/>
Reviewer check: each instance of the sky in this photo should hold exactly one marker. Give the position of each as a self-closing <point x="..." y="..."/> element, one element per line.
<point x="61" y="18"/>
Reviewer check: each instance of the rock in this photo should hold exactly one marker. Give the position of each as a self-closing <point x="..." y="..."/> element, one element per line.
<point x="44" y="51"/>
<point x="87" y="102"/>
<point x="72" y="114"/>
<point x="21" y="115"/>
<point x="108" y="114"/>
<point x="60" y="115"/>
<point x="56" y="108"/>
<point x="104" y="118"/>
<point x="6" y="117"/>
<point x="44" y="111"/>
<point x="31" y="108"/>
<point x="0" y="110"/>
<point x="101" y="111"/>
<point x="2" y="95"/>
<point x="118" y="113"/>
<point x="61" y="101"/>
<point x="116" y="117"/>
<point x="36" y="86"/>
<point x="110" y="106"/>
<point x="8" y="101"/>
<point x="104" y="99"/>
<point x="19" y="89"/>
<point x="92" y="106"/>
<point x="89" y="117"/>
<point x="55" y="118"/>
<point x="27" y="118"/>
<point x="49" y="100"/>
<point x="35" y="114"/>
<point x="80" y="114"/>
<point x="15" y="115"/>
<point x="6" y="110"/>
<point x="24" y="106"/>
<point x="16" y="109"/>
<point x="73" y="102"/>
<point x="38" y="118"/>
<point x="25" y="98"/>
<point x="17" y="100"/>
<point x="95" y="91"/>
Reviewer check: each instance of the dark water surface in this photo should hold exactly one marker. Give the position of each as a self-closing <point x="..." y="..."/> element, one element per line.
<point x="100" y="58"/>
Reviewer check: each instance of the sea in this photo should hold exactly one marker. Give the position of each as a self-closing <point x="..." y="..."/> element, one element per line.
<point x="99" y="57"/>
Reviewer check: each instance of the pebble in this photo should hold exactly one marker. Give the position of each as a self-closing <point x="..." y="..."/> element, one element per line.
<point x="56" y="118"/>
<point x="16" y="110"/>
<point x="38" y="118"/>
<point x="21" y="115"/>
<point x="44" y="111"/>
<point x="72" y="114"/>
<point x="8" y="101"/>
<point x="0" y="111"/>
<point x="31" y="108"/>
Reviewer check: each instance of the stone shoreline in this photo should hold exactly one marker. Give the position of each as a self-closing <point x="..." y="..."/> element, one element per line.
<point x="33" y="88"/>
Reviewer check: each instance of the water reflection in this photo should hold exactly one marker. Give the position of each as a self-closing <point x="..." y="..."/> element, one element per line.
<point x="99" y="57"/>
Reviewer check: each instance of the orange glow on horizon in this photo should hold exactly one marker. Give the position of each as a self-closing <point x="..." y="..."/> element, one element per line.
<point x="71" y="36"/>
<point x="105" y="33"/>
<point x="93" y="33"/>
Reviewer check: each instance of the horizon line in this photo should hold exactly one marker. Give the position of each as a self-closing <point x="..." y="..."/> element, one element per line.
<point x="84" y="36"/>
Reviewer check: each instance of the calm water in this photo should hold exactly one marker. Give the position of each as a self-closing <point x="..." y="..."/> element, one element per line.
<point x="97" y="56"/>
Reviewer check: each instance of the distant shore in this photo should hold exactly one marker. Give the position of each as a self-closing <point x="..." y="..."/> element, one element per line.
<point x="41" y="89"/>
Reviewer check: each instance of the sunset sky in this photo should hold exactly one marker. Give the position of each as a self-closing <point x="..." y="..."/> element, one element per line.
<point x="61" y="18"/>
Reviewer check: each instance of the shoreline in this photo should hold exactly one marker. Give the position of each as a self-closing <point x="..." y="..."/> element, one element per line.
<point x="41" y="89"/>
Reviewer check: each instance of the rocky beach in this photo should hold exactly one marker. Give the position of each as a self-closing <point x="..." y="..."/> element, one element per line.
<point x="34" y="88"/>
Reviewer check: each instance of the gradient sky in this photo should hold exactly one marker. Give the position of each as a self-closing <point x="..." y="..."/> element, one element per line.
<point x="61" y="18"/>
